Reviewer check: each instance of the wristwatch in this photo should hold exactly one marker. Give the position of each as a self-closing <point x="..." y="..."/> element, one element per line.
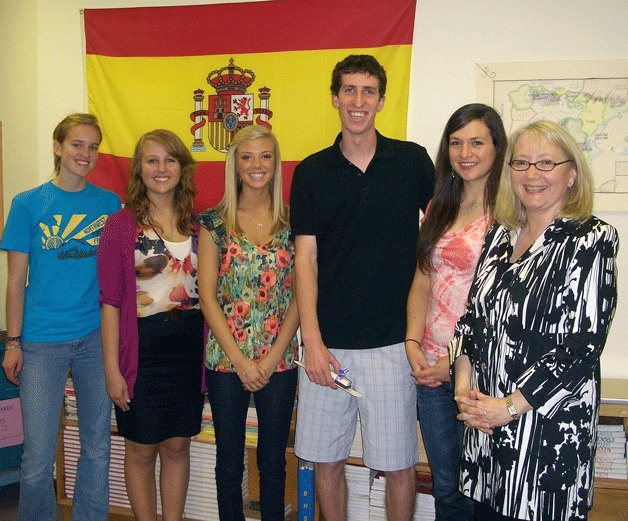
<point x="512" y="410"/>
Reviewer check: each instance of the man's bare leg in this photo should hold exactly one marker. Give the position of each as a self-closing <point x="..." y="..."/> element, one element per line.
<point x="400" y="494"/>
<point x="331" y="490"/>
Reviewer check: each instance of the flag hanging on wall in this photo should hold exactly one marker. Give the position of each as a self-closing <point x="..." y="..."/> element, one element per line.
<point x="204" y="71"/>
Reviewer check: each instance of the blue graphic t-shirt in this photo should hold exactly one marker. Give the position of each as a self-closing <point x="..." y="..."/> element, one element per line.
<point x="59" y="231"/>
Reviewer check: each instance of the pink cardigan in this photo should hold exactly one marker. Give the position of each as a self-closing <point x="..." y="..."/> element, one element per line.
<point x="116" y="277"/>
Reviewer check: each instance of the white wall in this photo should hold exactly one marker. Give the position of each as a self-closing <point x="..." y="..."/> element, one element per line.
<point x="42" y="78"/>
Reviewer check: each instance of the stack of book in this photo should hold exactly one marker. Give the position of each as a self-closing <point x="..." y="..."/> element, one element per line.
<point x="71" y="450"/>
<point x="610" y="456"/>
<point x="356" y="446"/>
<point x="69" y="403"/>
<point x="359" y="481"/>
<point x="377" y="499"/>
<point x="252" y="511"/>
<point x="251" y="435"/>
<point x="70" y="400"/>
<point x="201" y="501"/>
<point x="424" y="507"/>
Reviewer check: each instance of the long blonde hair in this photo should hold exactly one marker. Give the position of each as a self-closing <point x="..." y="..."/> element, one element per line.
<point x="136" y="198"/>
<point x="228" y="206"/>
<point x="578" y="204"/>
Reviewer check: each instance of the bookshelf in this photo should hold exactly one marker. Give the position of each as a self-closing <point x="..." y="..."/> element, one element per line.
<point x="610" y="502"/>
<point x="10" y="420"/>
<point x="117" y="513"/>
<point x="610" y="498"/>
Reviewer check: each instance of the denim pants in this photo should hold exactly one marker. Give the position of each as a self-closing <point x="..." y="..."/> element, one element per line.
<point x="442" y="436"/>
<point x="230" y="402"/>
<point x="42" y="384"/>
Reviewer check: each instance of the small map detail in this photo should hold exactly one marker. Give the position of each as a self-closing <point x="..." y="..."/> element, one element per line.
<point x="589" y="98"/>
<point x="593" y="110"/>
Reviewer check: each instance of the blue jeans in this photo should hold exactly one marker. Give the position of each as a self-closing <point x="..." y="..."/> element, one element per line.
<point x="442" y="436"/>
<point x="42" y="383"/>
<point x="230" y="402"/>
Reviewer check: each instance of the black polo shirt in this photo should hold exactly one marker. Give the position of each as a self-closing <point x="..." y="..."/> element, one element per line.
<point x="366" y="227"/>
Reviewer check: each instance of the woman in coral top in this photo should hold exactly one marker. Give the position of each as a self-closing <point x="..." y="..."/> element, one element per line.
<point x="246" y="290"/>
<point x="468" y="166"/>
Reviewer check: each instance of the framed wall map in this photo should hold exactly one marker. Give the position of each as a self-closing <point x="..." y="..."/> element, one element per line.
<point x="588" y="98"/>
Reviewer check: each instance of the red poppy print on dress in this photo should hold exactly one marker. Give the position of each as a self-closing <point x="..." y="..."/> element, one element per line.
<point x="269" y="278"/>
<point x="241" y="308"/>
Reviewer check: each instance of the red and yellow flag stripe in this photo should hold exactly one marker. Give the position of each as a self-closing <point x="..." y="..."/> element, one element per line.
<point x="146" y="68"/>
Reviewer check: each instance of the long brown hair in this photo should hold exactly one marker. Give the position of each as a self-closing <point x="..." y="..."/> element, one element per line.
<point x="445" y="204"/>
<point x="136" y="198"/>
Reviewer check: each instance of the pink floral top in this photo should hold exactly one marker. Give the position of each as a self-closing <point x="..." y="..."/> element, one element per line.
<point x="254" y="290"/>
<point x="454" y="260"/>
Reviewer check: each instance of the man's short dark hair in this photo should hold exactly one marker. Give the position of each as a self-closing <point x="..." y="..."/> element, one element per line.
<point x="353" y="63"/>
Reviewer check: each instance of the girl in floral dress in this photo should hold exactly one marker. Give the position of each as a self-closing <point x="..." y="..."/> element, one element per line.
<point x="246" y="292"/>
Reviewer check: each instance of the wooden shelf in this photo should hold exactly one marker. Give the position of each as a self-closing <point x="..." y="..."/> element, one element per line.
<point x="121" y="514"/>
<point x="610" y="498"/>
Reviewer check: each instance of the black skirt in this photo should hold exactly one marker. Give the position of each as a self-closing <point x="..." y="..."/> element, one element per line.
<point x="167" y="399"/>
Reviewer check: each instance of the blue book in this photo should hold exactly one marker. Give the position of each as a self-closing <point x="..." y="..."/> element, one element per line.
<point x="305" y="481"/>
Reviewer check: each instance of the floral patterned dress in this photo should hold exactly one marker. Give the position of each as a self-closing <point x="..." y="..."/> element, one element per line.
<point x="254" y="290"/>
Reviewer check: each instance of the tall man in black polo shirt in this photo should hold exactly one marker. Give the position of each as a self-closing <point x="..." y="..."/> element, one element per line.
<point x="355" y="216"/>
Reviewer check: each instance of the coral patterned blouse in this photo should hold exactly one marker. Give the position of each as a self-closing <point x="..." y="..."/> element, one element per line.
<point x="454" y="260"/>
<point x="254" y="290"/>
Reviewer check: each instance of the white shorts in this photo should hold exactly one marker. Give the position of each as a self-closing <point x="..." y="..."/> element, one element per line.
<point x="327" y="418"/>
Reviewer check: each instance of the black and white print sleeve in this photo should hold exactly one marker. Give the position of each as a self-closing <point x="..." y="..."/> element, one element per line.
<point x="585" y="305"/>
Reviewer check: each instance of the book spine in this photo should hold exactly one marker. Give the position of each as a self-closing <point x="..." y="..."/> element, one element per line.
<point x="305" y="480"/>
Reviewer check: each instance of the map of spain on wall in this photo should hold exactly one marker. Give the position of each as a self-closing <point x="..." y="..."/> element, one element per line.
<point x="205" y="71"/>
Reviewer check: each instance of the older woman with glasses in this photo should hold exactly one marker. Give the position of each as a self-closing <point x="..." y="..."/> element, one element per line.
<point x="526" y="353"/>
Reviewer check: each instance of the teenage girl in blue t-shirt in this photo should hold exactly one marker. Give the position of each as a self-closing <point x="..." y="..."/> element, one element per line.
<point x="53" y="322"/>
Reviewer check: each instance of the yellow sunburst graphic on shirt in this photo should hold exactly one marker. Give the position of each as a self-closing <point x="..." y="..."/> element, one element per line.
<point x="56" y="235"/>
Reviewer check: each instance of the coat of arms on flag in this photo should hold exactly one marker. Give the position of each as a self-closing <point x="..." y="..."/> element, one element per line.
<point x="230" y="109"/>
<point x="167" y="67"/>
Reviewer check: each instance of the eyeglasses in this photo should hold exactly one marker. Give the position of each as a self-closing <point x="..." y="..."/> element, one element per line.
<point x="544" y="166"/>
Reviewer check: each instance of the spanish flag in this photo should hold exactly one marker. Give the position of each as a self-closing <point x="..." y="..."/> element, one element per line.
<point x="205" y="71"/>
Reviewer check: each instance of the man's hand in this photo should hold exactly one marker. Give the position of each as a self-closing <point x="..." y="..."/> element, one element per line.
<point x="317" y="361"/>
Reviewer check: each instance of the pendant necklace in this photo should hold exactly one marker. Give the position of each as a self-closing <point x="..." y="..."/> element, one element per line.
<point x="258" y="225"/>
